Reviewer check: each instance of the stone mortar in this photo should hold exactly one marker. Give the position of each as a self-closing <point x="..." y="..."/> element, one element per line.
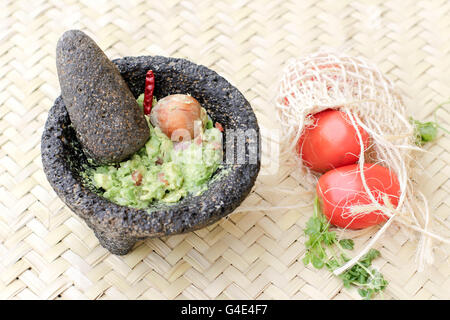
<point x="118" y="228"/>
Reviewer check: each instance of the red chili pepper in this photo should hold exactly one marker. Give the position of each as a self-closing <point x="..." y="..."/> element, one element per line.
<point x="219" y="126"/>
<point x="148" y="92"/>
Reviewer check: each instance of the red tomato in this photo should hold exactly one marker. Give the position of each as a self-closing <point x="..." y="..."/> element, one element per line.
<point x="340" y="189"/>
<point x="330" y="142"/>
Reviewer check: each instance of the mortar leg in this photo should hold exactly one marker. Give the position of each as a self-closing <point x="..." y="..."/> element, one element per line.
<point x="115" y="245"/>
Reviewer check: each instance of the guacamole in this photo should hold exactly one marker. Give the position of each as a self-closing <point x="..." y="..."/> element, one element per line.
<point x="162" y="171"/>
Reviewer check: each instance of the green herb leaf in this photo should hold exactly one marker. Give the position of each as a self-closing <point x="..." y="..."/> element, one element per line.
<point x="332" y="264"/>
<point x="347" y="244"/>
<point x="313" y="226"/>
<point x="317" y="262"/>
<point x="209" y="124"/>
<point x="321" y="246"/>
<point x="329" y="238"/>
<point x="306" y="259"/>
<point x="364" y="293"/>
<point x="140" y="101"/>
<point x="370" y="256"/>
<point x="425" y="131"/>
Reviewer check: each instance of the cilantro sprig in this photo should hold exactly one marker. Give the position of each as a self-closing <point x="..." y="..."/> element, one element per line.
<point x="323" y="249"/>
<point x="427" y="131"/>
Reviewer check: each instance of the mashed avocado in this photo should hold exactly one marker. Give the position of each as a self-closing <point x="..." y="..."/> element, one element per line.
<point x="162" y="170"/>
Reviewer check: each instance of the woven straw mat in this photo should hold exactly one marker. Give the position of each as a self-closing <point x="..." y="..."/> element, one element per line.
<point x="47" y="252"/>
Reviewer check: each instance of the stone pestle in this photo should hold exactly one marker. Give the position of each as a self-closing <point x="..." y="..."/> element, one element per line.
<point x="107" y="119"/>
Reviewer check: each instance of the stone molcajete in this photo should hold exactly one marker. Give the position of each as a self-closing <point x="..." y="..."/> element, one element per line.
<point x="108" y="121"/>
<point x="118" y="227"/>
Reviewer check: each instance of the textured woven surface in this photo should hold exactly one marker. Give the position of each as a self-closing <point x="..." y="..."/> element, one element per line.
<point x="47" y="252"/>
